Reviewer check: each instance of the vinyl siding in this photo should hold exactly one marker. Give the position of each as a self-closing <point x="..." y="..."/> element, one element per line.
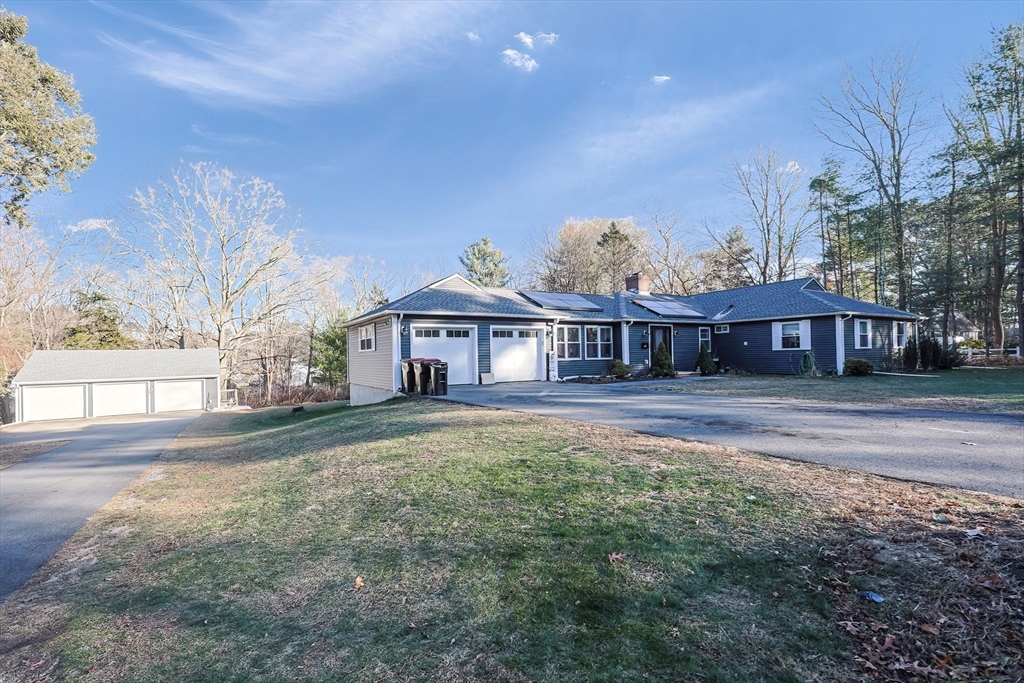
<point x="881" y="340"/>
<point x="372" y="368"/>
<point x="758" y="356"/>
<point x="637" y="353"/>
<point x="686" y="346"/>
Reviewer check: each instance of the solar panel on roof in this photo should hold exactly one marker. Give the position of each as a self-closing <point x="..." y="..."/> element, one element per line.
<point x="560" y="301"/>
<point x="668" y="309"/>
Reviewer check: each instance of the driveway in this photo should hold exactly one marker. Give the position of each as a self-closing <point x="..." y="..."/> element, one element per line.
<point x="46" y="499"/>
<point x="975" y="451"/>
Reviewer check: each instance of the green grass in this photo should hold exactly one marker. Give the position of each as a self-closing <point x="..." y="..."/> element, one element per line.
<point x="1000" y="390"/>
<point x="482" y="539"/>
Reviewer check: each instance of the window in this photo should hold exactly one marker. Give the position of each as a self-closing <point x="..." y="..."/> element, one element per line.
<point x="599" y="342"/>
<point x="567" y="343"/>
<point x="899" y="334"/>
<point x="428" y="333"/>
<point x="366" y="338"/>
<point x="791" y="335"/>
<point x="457" y="334"/>
<point x="862" y="334"/>
<point x="502" y="334"/>
<point x="527" y="334"/>
<point x="704" y="338"/>
<point x="721" y="329"/>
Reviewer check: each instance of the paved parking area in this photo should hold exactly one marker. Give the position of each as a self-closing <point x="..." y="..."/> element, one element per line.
<point x="975" y="451"/>
<point x="46" y="499"/>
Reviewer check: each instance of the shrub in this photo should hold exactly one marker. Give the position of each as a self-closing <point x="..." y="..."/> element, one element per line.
<point x="706" y="363"/>
<point x="973" y="343"/>
<point x="661" y="364"/>
<point x="619" y="369"/>
<point x="949" y="358"/>
<point x="910" y="356"/>
<point x="858" y="367"/>
<point x="927" y="352"/>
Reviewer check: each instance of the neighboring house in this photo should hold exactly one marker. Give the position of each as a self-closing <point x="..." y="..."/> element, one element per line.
<point x="517" y="335"/>
<point x="960" y="328"/>
<point x="55" y="385"/>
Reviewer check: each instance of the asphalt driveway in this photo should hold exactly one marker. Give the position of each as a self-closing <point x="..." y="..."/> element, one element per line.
<point x="981" y="452"/>
<point x="46" y="499"/>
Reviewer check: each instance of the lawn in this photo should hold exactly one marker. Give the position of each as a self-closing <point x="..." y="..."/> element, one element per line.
<point x="420" y="540"/>
<point x="969" y="389"/>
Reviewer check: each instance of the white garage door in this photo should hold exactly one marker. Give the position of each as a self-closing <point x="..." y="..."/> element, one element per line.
<point x="455" y="346"/>
<point x="178" y="395"/>
<point x="517" y="355"/>
<point x="127" y="398"/>
<point x="53" y="403"/>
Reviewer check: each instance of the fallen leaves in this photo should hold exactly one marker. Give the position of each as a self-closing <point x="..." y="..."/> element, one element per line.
<point x="359" y="583"/>
<point x="616" y="557"/>
<point x="928" y="628"/>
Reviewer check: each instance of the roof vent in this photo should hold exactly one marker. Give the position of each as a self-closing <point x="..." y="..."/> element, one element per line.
<point x="724" y="312"/>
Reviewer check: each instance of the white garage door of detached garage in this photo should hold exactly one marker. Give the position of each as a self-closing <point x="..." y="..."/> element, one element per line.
<point x="53" y="403"/>
<point x="517" y="355"/>
<point x="456" y="346"/>
<point x="178" y="395"/>
<point x="123" y="398"/>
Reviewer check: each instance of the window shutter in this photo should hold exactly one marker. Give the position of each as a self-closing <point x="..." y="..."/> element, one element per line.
<point x="805" y="335"/>
<point x="776" y="336"/>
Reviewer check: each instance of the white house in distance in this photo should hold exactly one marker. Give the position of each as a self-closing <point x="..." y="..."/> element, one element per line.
<point x="56" y="385"/>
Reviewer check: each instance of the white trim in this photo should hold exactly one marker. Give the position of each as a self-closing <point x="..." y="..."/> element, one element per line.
<point x="625" y="342"/>
<point x="896" y="337"/>
<point x="474" y="336"/>
<point x="611" y="342"/>
<point x="650" y="342"/>
<point x="856" y="333"/>
<point x="699" y="340"/>
<point x="396" y="352"/>
<point x="840" y="345"/>
<point x="567" y="359"/>
<point x="453" y="276"/>
<point x="372" y="338"/>
<point x="721" y="331"/>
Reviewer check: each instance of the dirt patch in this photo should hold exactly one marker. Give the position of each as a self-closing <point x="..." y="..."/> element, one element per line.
<point x="13" y="453"/>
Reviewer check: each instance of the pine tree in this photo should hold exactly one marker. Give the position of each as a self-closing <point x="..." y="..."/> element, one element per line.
<point x="485" y="264"/>
<point x="618" y="255"/>
<point x="97" y="326"/>
<point x="330" y="354"/>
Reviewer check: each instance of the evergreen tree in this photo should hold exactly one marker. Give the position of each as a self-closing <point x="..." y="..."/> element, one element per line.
<point x="727" y="266"/>
<point x="330" y="354"/>
<point x="618" y="255"/>
<point x="661" y="364"/>
<point x="97" y="326"/>
<point x="485" y="264"/>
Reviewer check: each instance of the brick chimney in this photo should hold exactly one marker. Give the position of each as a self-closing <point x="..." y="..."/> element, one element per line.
<point x="639" y="283"/>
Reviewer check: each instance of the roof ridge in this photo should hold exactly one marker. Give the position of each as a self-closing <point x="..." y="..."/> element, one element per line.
<point x="813" y="295"/>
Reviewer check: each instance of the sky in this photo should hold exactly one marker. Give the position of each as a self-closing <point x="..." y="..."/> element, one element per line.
<point x="411" y="130"/>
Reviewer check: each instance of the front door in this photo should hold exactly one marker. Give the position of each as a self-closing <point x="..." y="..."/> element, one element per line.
<point x="661" y="335"/>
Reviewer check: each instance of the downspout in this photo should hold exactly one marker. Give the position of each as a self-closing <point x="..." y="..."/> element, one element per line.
<point x="553" y="376"/>
<point x="841" y="341"/>
<point x="626" y="324"/>
<point x="397" y="354"/>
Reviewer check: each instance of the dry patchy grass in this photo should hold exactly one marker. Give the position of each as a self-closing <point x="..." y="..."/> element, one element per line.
<point x="421" y="540"/>
<point x="13" y="453"/>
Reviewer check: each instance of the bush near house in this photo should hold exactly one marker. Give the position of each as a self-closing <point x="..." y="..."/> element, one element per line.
<point x="661" y="364"/>
<point x="858" y="367"/>
<point x="706" y="362"/>
<point x="619" y="369"/>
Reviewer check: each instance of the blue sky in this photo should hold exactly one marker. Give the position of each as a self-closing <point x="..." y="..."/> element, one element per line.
<point x="413" y="130"/>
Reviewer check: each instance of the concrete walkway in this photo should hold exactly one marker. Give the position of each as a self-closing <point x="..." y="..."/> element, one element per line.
<point x="974" y="451"/>
<point x="44" y="500"/>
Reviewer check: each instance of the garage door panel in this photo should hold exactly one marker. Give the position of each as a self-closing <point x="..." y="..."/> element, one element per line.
<point x="53" y="403"/>
<point x="127" y="398"/>
<point x="455" y="346"/>
<point x="175" y="395"/>
<point x="517" y="355"/>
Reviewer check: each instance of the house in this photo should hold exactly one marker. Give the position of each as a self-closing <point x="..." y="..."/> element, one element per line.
<point x="961" y="328"/>
<point x="518" y="335"/>
<point x="56" y="385"/>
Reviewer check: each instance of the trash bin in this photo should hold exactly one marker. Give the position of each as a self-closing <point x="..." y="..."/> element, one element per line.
<point x="409" y="385"/>
<point x="439" y="378"/>
<point x="422" y="366"/>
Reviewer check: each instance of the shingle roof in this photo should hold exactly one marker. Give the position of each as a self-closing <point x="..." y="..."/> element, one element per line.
<point x="789" y="299"/>
<point x="88" y="366"/>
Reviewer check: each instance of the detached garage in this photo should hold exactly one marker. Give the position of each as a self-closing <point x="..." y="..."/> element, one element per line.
<point x="58" y="385"/>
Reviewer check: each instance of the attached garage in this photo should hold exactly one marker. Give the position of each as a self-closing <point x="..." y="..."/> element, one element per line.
<point x="58" y="385"/>
<point x="517" y="355"/>
<point x="456" y="346"/>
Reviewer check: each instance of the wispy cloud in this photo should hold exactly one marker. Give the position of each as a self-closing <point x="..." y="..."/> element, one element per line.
<point x="526" y="39"/>
<point x="658" y="80"/>
<point x="194" y="149"/>
<point x="474" y="37"/>
<point x="794" y="167"/>
<point x="227" y="138"/>
<point x="289" y="54"/>
<point x="518" y="60"/>
<point x="548" y="38"/>
<point x="91" y="224"/>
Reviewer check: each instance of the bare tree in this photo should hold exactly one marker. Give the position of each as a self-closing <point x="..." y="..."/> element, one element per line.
<point x="571" y="260"/>
<point x="665" y="257"/>
<point x="774" y="212"/>
<point x="219" y="249"/>
<point x="877" y="119"/>
<point x="369" y="282"/>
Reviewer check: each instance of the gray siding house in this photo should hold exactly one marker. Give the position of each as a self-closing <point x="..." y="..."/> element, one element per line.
<point x="506" y="335"/>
